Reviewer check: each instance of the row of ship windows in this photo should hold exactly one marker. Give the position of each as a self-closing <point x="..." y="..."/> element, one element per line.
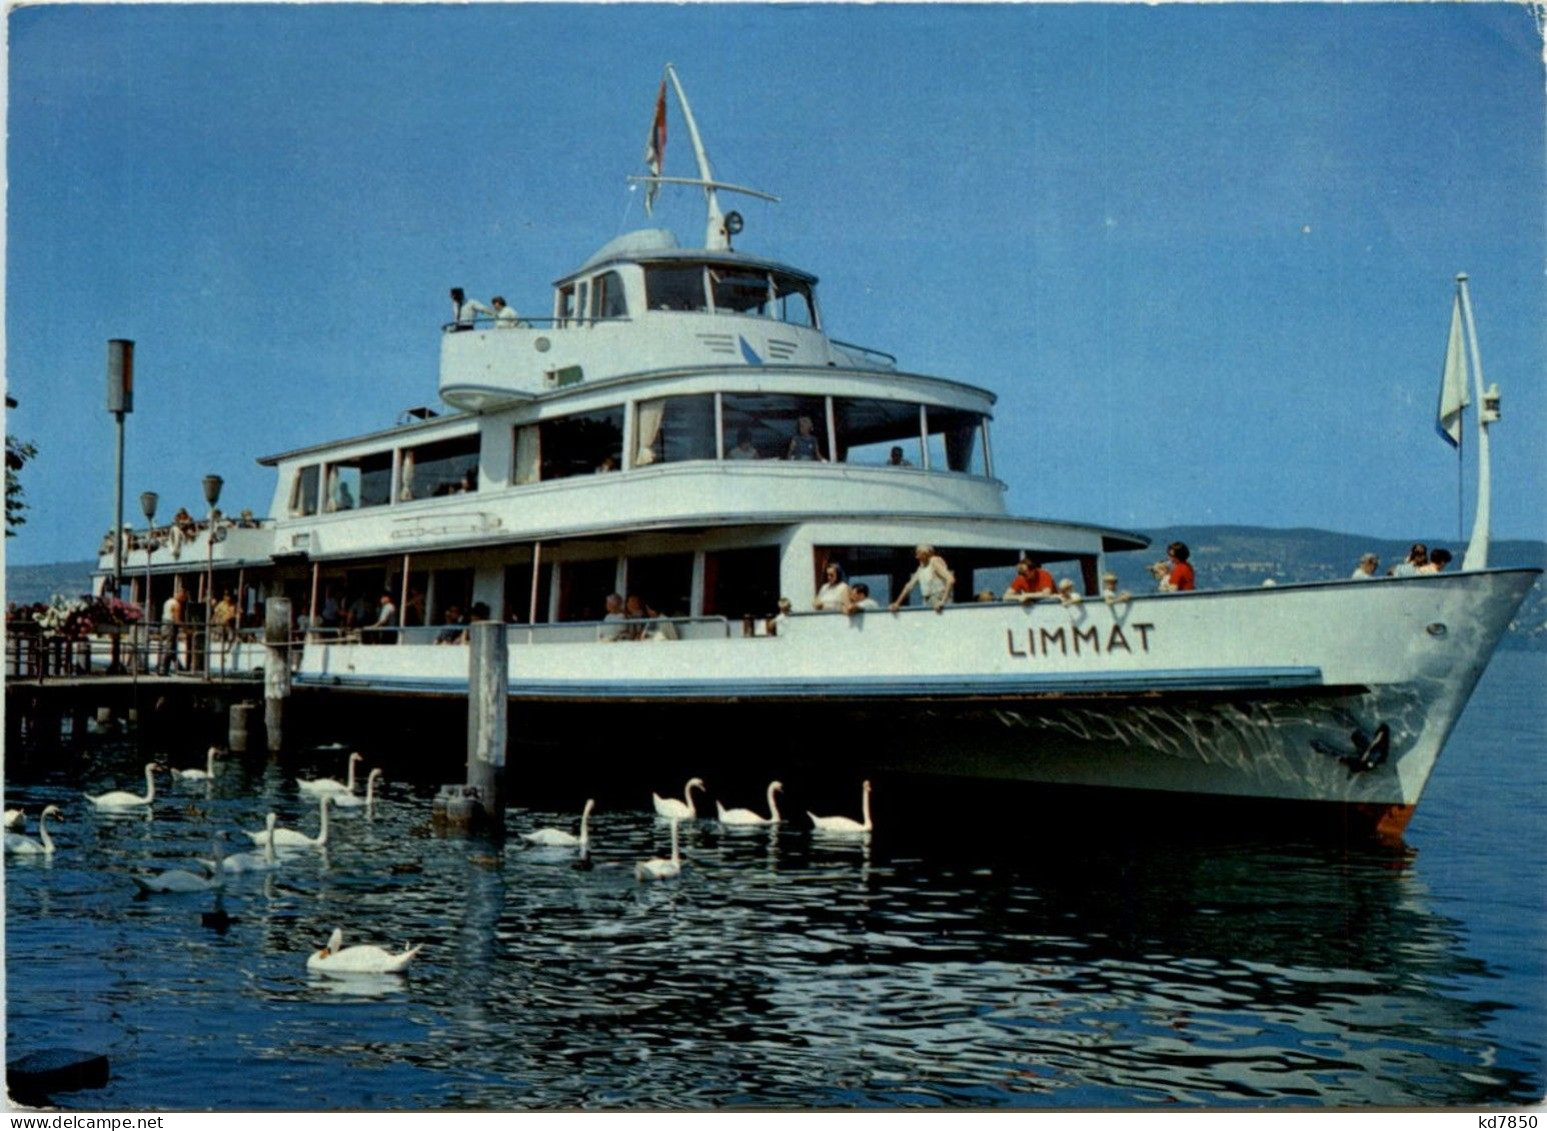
<point x="700" y="426"/>
<point x="694" y="286"/>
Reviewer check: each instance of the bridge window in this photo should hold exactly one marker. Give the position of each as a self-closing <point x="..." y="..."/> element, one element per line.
<point x="675" y="288"/>
<point x="740" y="292"/>
<point x="793" y="302"/>
<point x="607" y="294"/>
<point x="741" y="583"/>
<point x="447" y="467"/>
<point x="673" y="429"/>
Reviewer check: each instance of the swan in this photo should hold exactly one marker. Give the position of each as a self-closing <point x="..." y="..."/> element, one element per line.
<point x="25" y="845"/>
<point x="355" y="801"/>
<point x="293" y="838"/>
<point x="845" y="824"/>
<point x="206" y="774"/>
<point x="336" y="958"/>
<point x="15" y="818"/>
<point x="123" y="799"/>
<point x="177" y="881"/>
<point x="332" y="785"/>
<point x="658" y="869"/>
<point x="558" y="838"/>
<point x="747" y="816"/>
<point x="672" y="809"/>
<point x="264" y="861"/>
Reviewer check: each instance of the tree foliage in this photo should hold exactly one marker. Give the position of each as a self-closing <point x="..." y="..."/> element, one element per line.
<point x="17" y="453"/>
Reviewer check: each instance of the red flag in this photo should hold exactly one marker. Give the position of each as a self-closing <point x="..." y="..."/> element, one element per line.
<point x="655" y="148"/>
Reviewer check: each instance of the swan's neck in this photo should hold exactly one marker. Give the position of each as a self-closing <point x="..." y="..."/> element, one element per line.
<point x="209" y="763"/>
<point x="773" y="806"/>
<point x="585" y="826"/>
<point x="350" y="783"/>
<point x="687" y="796"/>
<point x="150" y="785"/>
<point x="48" y="841"/>
<point x="865" y="807"/>
<point x="322" y="835"/>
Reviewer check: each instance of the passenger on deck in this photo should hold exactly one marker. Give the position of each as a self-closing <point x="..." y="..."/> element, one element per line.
<point x="860" y="599"/>
<point x="1417" y="558"/>
<point x="331" y="615"/>
<point x="833" y="595"/>
<point x="464" y="310"/>
<point x="933" y="578"/>
<point x="1438" y="560"/>
<point x="455" y="631"/>
<point x="609" y="463"/>
<point x="413" y="608"/>
<point x="224" y="618"/>
<point x="804" y="445"/>
<point x="1368" y="564"/>
<point x="505" y="316"/>
<point x="615" y="620"/>
<point x="1109" y="592"/>
<point x="744" y="448"/>
<point x="1030" y="582"/>
<point x="897" y="459"/>
<point x="383" y="630"/>
<point x="1180" y="578"/>
<point x="1068" y="594"/>
<point x="776" y="622"/>
<point x="171" y="623"/>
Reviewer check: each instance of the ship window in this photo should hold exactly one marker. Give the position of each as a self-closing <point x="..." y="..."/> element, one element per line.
<point x="664" y="582"/>
<point x="303" y="494"/>
<point x="673" y="429"/>
<point x="740" y="292"/>
<point x="566" y="309"/>
<point x="518" y="592"/>
<point x="869" y="430"/>
<point x="741" y="583"/>
<point x="607" y="293"/>
<point x="572" y="445"/>
<point x="793" y="302"/>
<point x="771" y="423"/>
<point x="955" y="441"/>
<point x="448" y="467"/>
<point x="362" y="482"/>
<point x="675" y="288"/>
<point x="583" y="588"/>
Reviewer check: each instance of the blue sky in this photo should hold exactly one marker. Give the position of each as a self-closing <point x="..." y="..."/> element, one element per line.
<point x="1205" y="254"/>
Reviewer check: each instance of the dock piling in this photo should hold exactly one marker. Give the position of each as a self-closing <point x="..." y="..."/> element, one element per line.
<point x="240" y="726"/>
<point x="276" y="669"/>
<point x="482" y="802"/>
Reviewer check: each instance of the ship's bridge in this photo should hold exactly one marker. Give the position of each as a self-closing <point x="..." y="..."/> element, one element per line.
<point x="640" y="304"/>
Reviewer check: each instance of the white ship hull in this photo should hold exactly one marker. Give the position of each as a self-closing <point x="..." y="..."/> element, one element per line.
<point x="1243" y="693"/>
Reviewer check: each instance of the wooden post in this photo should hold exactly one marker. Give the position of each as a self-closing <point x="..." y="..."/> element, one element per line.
<point x="276" y="669"/>
<point x="240" y="726"/>
<point x="488" y="692"/>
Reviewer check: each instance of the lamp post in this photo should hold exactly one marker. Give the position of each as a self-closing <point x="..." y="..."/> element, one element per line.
<point x="212" y="486"/>
<point x="148" y="501"/>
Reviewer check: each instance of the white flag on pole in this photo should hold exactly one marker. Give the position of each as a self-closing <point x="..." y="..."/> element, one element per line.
<point x="1453" y="394"/>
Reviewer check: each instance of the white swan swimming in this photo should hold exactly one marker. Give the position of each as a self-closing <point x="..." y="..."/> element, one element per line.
<point x="354" y="800"/>
<point x="264" y="861"/>
<point x="747" y="816"/>
<point x="336" y="958"/>
<point x="658" y="869"/>
<point x="293" y="838"/>
<point x="332" y="785"/>
<point x="558" y="838"/>
<point x="26" y="846"/>
<point x="123" y="799"/>
<point x="845" y="824"/>
<point x="206" y="774"/>
<point x="15" y="818"/>
<point x="178" y="881"/>
<point x="672" y="809"/>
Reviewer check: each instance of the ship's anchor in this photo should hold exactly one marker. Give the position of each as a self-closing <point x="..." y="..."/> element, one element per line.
<point x="1367" y="754"/>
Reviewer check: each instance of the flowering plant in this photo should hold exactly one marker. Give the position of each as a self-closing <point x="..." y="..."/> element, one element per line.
<point x="75" y="617"/>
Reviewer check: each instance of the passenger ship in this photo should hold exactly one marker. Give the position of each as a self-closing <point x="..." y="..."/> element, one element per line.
<point x="636" y="441"/>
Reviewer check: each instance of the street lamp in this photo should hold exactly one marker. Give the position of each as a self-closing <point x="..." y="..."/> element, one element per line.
<point x="148" y="501"/>
<point x="212" y="486"/>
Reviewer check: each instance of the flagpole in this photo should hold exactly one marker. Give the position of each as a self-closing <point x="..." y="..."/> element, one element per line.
<point x="1477" y="548"/>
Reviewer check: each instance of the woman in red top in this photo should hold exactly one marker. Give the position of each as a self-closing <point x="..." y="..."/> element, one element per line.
<point x="1181" y="577"/>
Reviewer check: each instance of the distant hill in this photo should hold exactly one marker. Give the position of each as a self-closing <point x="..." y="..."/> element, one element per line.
<point x="26" y="585"/>
<point x="1235" y="556"/>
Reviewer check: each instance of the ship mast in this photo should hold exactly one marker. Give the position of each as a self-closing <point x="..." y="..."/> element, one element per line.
<point x="720" y="226"/>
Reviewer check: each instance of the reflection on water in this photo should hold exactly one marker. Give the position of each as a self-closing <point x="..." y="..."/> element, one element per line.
<point x="944" y="965"/>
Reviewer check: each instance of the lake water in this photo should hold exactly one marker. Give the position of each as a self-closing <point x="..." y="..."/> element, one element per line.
<point x="939" y="966"/>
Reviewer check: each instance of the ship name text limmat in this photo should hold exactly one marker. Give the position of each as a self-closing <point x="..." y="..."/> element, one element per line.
<point x="1072" y="640"/>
